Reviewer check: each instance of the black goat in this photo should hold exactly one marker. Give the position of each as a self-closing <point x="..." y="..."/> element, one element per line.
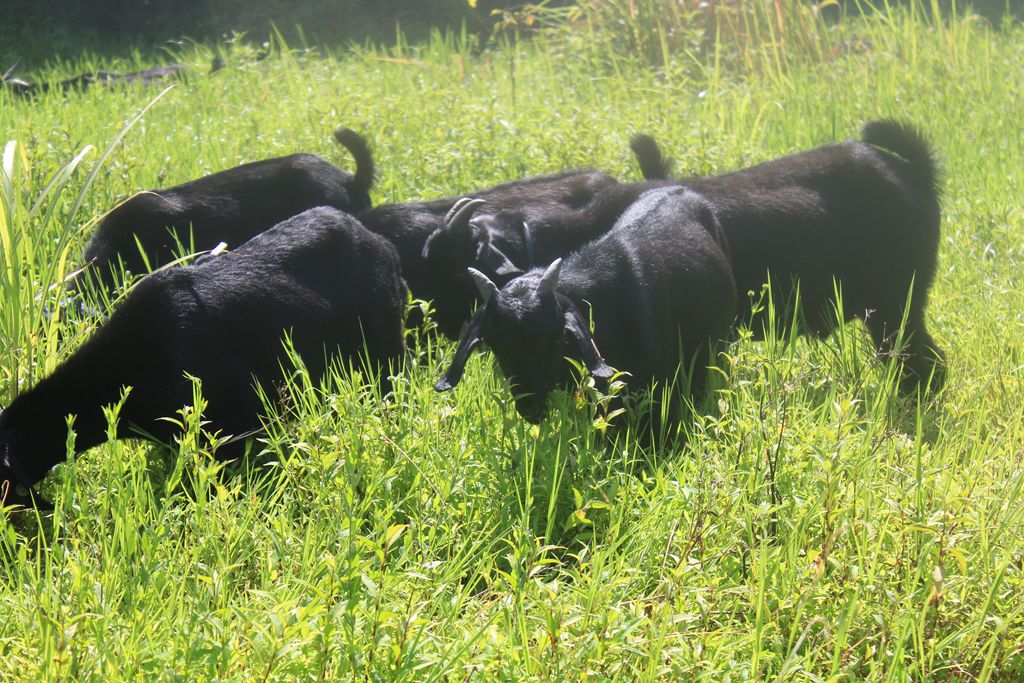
<point x="82" y="81"/>
<point x="320" y="276"/>
<point x="862" y="214"/>
<point x="520" y="224"/>
<point x="231" y="206"/>
<point x="658" y="287"/>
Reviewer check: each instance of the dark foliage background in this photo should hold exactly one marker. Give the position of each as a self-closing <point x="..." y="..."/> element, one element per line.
<point x="39" y="32"/>
<point x="47" y="30"/>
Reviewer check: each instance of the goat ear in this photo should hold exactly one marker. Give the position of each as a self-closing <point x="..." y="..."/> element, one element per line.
<point x="488" y="255"/>
<point x="528" y="243"/>
<point x="470" y="338"/>
<point x="579" y="330"/>
<point x="484" y="285"/>
<point x="495" y="260"/>
<point x="549" y="280"/>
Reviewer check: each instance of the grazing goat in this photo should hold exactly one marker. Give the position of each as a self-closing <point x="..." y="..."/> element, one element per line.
<point x="320" y="276"/>
<point x="657" y="285"/>
<point x="522" y="223"/>
<point x="82" y="81"/>
<point x="860" y="214"/>
<point x="150" y="228"/>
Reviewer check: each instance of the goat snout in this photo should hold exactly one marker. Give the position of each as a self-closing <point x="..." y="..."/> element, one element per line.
<point x="531" y="407"/>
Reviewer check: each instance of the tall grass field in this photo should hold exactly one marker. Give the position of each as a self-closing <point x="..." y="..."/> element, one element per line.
<point x="812" y="524"/>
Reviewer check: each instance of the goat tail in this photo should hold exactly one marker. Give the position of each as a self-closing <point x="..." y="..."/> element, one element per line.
<point x="907" y="142"/>
<point x="360" y="151"/>
<point x="653" y="164"/>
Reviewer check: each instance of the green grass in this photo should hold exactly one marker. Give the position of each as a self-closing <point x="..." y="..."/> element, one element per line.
<point x="813" y="526"/>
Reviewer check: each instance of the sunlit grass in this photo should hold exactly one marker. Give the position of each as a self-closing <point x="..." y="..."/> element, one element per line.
<point x="813" y="523"/>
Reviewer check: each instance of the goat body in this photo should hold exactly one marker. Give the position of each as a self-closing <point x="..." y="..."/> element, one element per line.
<point x="231" y="206"/>
<point x="522" y="223"/>
<point x="658" y="287"/>
<point x="863" y="215"/>
<point x="320" y="276"/>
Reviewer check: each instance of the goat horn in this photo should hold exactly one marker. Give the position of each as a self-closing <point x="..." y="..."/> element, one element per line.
<point x="460" y="213"/>
<point x="10" y="71"/>
<point x="455" y="208"/>
<point x="484" y="285"/>
<point x="549" y="280"/>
